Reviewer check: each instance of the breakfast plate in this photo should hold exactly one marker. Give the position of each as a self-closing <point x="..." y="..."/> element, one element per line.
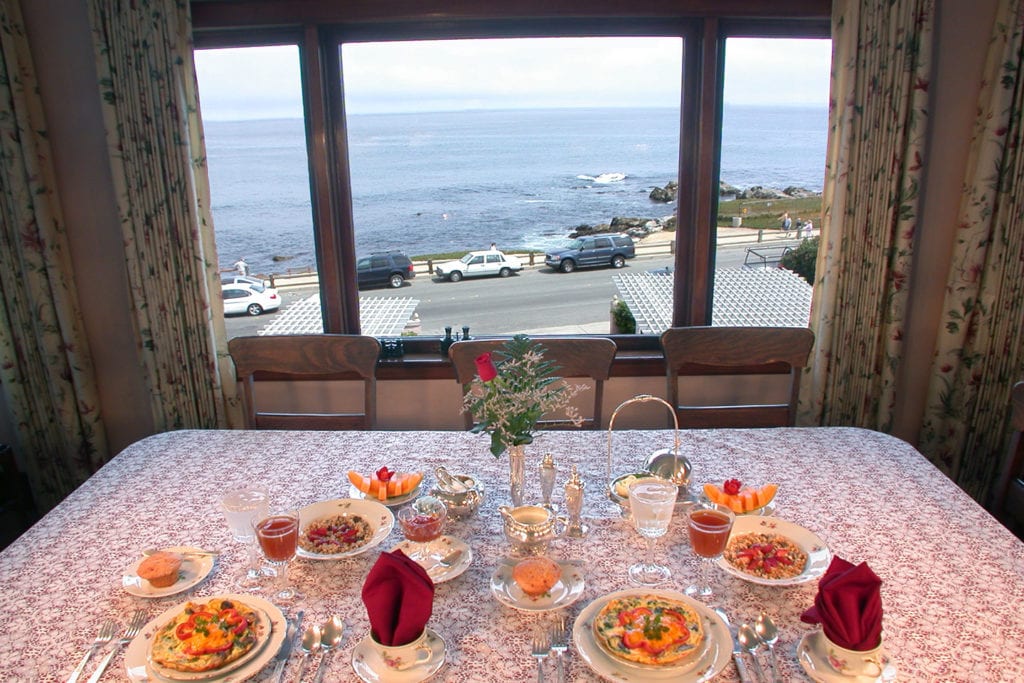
<point x="707" y="664"/>
<point x="379" y="522"/>
<point x="393" y="502"/>
<point x="813" y="658"/>
<point x="438" y="550"/>
<point x="139" y="668"/>
<point x="369" y="666"/>
<point x="565" y="592"/>
<point x="194" y="568"/>
<point x="818" y="554"/>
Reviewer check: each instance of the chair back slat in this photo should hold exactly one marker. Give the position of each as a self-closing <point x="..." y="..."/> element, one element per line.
<point x="299" y="358"/>
<point x="576" y="357"/>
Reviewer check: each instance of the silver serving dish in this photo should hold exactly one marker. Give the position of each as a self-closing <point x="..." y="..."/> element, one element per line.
<point x="462" y="494"/>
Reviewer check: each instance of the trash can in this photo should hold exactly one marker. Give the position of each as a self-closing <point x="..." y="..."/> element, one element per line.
<point x="737" y="221"/>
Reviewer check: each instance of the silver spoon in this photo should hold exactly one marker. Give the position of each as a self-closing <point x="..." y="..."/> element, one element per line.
<point x="311" y="639"/>
<point x="768" y="632"/>
<point x="751" y="643"/>
<point x="451" y="558"/>
<point x="331" y="635"/>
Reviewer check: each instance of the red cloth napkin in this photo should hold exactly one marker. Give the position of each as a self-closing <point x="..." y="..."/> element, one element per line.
<point x="399" y="597"/>
<point x="848" y="606"/>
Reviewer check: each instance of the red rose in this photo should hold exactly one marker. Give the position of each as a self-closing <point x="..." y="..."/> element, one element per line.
<point x="485" y="367"/>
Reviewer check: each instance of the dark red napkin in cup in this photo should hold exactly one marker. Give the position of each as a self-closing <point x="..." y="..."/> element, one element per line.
<point x="848" y="605"/>
<point x="399" y="597"/>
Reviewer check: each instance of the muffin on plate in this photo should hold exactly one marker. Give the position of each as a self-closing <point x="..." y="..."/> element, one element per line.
<point x="160" y="569"/>
<point x="536" y="575"/>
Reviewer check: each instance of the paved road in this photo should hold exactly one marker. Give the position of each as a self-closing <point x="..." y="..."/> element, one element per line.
<point x="532" y="300"/>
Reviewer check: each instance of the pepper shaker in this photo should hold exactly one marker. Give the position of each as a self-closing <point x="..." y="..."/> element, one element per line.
<point x="547" y="480"/>
<point x="574" y="505"/>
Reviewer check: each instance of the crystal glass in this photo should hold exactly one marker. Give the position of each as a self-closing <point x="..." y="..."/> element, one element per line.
<point x="278" y="536"/>
<point x="422" y="523"/>
<point x="651" y="502"/>
<point x="242" y="506"/>
<point x="709" y="526"/>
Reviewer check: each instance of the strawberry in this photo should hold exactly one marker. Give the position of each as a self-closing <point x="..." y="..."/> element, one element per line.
<point x="732" y="486"/>
<point x="384" y="474"/>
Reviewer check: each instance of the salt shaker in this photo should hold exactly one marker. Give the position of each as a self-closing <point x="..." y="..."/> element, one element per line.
<point x="547" y="480"/>
<point x="574" y="505"/>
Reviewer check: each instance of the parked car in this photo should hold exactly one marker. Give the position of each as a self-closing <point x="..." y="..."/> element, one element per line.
<point x="243" y="280"/>
<point x="249" y="298"/>
<point x="477" y="264"/>
<point x="392" y="269"/>
<point x="592" y="251"/>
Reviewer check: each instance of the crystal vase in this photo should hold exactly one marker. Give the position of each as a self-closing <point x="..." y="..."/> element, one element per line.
<point x="517" y="473"/>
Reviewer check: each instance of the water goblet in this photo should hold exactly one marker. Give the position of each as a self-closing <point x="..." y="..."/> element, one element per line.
<point x="709" y="526"/>
<point x="278" y="536"/>
<point x="651" y="502"/>
<point x="422" y="523"/>
<point x="242" y="506"/>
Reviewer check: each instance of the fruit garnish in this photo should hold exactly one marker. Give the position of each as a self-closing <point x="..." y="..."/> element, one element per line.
<point x="732" y="486"/>
<point x="384" y="474"/>
<point x="738" y="498"/>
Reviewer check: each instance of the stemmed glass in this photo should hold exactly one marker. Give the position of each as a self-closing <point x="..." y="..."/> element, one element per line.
<point x="241" y="507"/>
<point x="651" y="502"/>
<point x="422" y="522"/>
<point x="709" y="527"/>
<point x="278" y="536"/>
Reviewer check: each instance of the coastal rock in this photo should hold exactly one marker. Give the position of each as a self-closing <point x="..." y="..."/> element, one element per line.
<point x="727" y="189"/>
<point x="623" y="223"/>
<point x="665" y="194"/>
<point x="760" y="192"/>
<point x="278" y="258"/>
<point x="800" y="192"/>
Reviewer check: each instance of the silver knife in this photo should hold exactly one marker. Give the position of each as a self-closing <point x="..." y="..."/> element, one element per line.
<point x="737" y="651"/>
<point x="286" y="646"/>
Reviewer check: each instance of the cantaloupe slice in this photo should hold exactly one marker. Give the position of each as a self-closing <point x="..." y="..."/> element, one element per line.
<point x="400" y="484"/>
<point x="747" y="500"/>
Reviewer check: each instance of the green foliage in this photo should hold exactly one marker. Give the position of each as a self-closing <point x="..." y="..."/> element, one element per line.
<point x="803" y="259"/>
<point x="623" y="317"/>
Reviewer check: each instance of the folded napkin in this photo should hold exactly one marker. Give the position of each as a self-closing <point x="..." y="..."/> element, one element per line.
<point x="399" y="597"/>
<point x="848" y="606"/>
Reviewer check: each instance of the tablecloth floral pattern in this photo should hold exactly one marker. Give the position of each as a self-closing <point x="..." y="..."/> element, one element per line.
<point x="953" y="578"/>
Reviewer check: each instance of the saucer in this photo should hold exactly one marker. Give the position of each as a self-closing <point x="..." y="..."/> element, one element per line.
<point x="194" y="568"/>
<point x="565" y="592"/>
<point x="368" y="666"/>
<point x="439" y="549"/>
<point x="811" y="654"/>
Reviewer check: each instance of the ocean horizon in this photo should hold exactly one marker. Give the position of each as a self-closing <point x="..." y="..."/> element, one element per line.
<point x="456" y="181"/>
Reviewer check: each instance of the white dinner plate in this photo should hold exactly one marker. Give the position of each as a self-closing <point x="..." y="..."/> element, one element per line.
<point x="813" y="658"/>
<point x="818" y="554"/>
<point x="439" y="549"/>
<point x="380" y="519"/>
<point x="565" y="592"/>
<point x="194" y="568"/>
<point x="706" y="666"/>
<point x="394" y="502"/>
<point x="136" y="655"/>
<point x="367" y="664"/>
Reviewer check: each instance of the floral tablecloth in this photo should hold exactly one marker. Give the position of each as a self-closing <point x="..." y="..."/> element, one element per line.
<point x="953" y="578"/>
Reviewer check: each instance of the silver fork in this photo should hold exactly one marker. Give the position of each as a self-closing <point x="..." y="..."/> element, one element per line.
<point x="541" y="648"/>
<point x="560" y="645"/>
<point x="135" y="625"/>
<point x="107" y="630"/>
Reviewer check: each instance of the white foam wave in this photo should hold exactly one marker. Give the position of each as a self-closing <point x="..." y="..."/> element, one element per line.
<point x="604" y="178"/>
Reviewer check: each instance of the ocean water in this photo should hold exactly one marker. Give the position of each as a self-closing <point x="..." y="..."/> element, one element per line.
<point x="437" y="182"/>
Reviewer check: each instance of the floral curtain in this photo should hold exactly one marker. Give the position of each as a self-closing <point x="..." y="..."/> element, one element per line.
<point x="154" y="134"/>
<point x="878" y="108"/>
<point x="979" y="353"/>
<point x="45" y="366"/>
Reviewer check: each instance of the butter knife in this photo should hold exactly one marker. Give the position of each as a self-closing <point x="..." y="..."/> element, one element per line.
<point x="737" y="651"/>
<point x="286" y="647"/>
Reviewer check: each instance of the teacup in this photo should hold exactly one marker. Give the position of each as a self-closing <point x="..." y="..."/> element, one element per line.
<point x="870" y="663"/>
<point x="402" y="657"/>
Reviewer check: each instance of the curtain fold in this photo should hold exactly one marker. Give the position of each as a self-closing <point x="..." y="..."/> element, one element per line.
<point x="157" y="155"/>
<point x="979" y="352"/>
<point x="881" y="64"/>
<point x="46" y="372"/>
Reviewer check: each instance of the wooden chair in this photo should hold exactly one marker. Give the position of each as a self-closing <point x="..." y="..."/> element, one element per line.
<point x="576" y="357"/>
<point x="1008" y="503"/>
<point x="736" y="351"/>
<point x="310" y="357"/>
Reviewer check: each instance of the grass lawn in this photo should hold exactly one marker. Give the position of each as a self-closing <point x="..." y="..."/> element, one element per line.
<point x="765" y="213"/>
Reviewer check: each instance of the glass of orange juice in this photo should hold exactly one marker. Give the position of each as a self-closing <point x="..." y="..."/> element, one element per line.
<point x="709" y="526"/>
<point x="278" y="536"/>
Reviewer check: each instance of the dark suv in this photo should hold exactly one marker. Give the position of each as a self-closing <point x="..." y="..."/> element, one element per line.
<point x="592" y="250"/>
<point x="392" y="269"/>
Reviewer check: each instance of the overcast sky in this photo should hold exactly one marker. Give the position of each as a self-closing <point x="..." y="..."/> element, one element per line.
<point x="254" y="83"/>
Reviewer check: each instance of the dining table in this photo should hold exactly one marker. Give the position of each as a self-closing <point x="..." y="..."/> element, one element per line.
<point x="952" y="577"/>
